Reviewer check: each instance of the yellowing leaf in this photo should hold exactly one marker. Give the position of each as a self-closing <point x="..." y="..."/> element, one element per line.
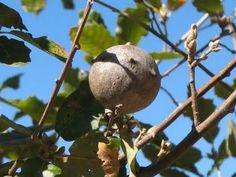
<point x="34" y="6"/>
<point x="175" y="4"/>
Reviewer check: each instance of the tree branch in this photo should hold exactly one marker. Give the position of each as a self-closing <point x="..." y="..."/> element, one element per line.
<point x="155" y="130"/>
<point x="59" y="82"/>
<point x="191" y="138"/>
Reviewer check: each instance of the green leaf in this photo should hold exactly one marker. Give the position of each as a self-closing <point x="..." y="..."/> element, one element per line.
<point x="156" y="4"/>
<point x="13" y="52"/>
<point x="73" y="79"/>
<point x="173" y="173"/>
<point x="95" y="39"/>
<point x="12" y="82"/>
<point x="165" y="55"/>
<point x="43" y="43"/>
<point x="187" y="163"/>
<point x="94" y="17"/>
<point x="53" y="170"/>
<point x="34" y="6"/>
<point x="83" y="160"/>
<point x="223" y="92"/>
<point x="68" y="4"/>
<point x="175" y="4"/>
<point x="130" y="30"/>
<point x="213" y="7"/>
<point x="10" y="18"/>
<point x="12" y="144"/>
<point x="75" y="115"/>
<point x="7" y="123"/>
<point x="29" y="106"/>
<point x="130" y="151"/>
<point x="231" y="139"/>
<point x="33" y="167"/>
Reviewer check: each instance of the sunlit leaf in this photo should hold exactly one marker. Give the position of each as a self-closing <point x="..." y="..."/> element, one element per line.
<point x="173" y="173"/>
<point x="52" y="170"/>
<point x="34" y="6"/>
<point x="95" y="39"/>
<point x="33" y="167"/>
<point x="29" y="106"/>
<point x="155" y="4"/>
<point x="43" y="43"/>
<point x="213" y="7"/>
<point x="128" y="30"/>
<point x="68" y="4"/>
<point x="83" y="160"/>
<point x="7" y="123"/>
<point x="165" y="55"/>
<point x="12" y="82"/>
<point x="13" y="52"/>
<point x="175" y="4"/>
<point x="94" y="17"/>
<point x="75" y="115"/>
<point x="10" y="18"/>
<point x="223" y="92"/>
<point x="231" y="139"/>
<point x="130" y="151"/>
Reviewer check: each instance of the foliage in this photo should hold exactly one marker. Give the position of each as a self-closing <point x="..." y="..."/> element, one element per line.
<point x="76" y="116"/>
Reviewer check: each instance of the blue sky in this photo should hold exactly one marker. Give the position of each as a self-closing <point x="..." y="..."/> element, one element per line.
<point x="55" y="22"/>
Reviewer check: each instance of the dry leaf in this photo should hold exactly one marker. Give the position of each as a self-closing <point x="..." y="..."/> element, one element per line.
<point x="109" y="158"/>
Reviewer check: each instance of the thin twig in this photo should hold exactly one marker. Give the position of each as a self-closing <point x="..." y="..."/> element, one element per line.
<point x="227" y="48"/>
<point x="190" y="45"/>
<point x="59" y="82"/>
<point x="191" y="138"/>
<point x="155" y="130"/>
<point x="171" y="96"/>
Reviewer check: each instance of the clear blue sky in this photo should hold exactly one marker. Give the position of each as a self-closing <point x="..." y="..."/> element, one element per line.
<point x="55" y="22"/>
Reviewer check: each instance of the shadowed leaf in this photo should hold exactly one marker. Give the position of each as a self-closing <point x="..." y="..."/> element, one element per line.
<point x="34" y="6"/>
<point x="129" y="30"/>
<point x="75" y="115"/>
<point x="12" y="82"/>
<point x="33" y="167"/>
<point x="222" y="92"/>
<point x="10" y="18"/>
<point x="13" y="52"/>
<point x="213" y="7"/>
<point x="43" y="43"/>
<point x="31" y="106"/>
<point x="165" y="55"/>
<point x="83" y="160"/>
<point x="6" y="123"/>
<point x="205" y="107"/>
<point x="68" y="4"/>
